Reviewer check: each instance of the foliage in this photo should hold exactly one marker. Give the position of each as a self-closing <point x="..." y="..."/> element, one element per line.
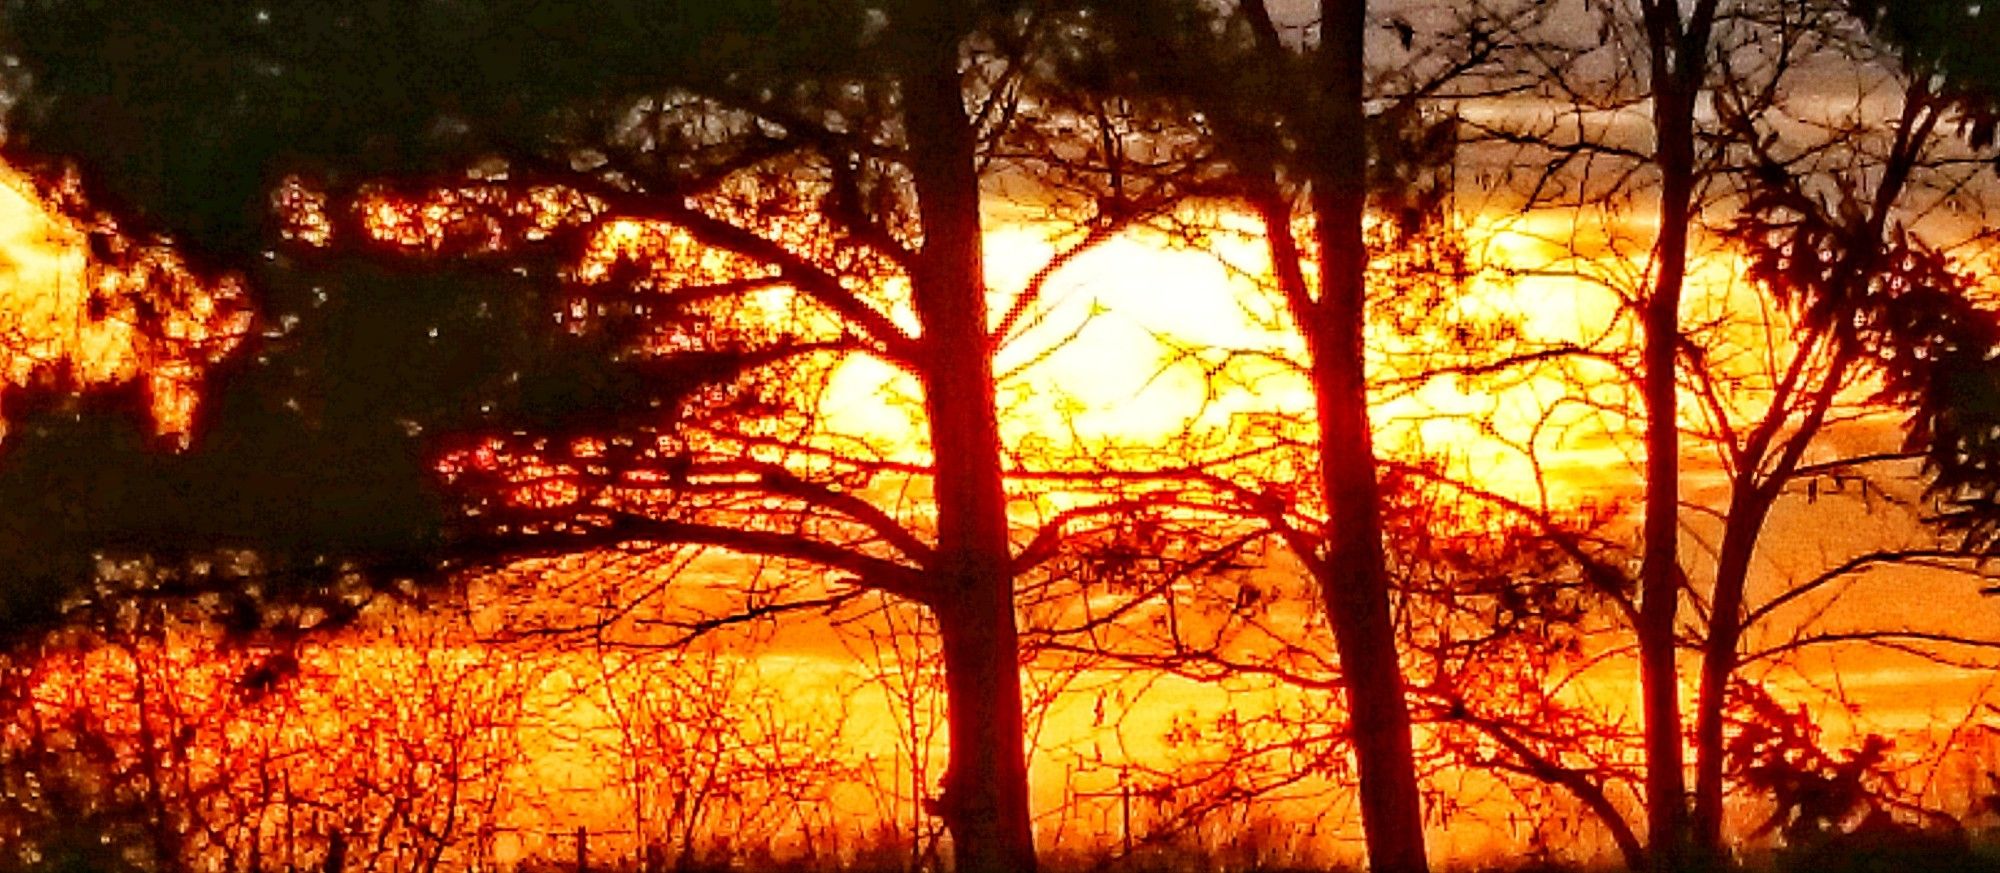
<point x="1919" y="316"/>
<point x="597" y="306"/>
<point x="184" y="115"/>
<point x="1942" y="38"/>
<point x="219" y="128"/>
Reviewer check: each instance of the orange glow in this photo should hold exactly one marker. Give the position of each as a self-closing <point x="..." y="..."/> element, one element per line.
<point x="76" y="321"/>
<point x="475" y="218"/>
<point x="822" y="737"/>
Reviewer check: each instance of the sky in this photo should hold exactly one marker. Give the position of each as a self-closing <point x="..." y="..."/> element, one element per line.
<point x="1097" y="343"/>
<point x="1113" y="382"/>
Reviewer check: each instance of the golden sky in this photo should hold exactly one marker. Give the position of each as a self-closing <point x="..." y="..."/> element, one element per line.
<point x="65" y="317"/>
<point x="1110" y="381"/>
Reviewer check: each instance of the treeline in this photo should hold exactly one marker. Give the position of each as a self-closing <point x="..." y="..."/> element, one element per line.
<point x="651" y="324"/>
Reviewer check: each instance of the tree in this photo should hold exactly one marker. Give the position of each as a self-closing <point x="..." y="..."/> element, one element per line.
<point x="1834" y="259"/>
<point x="1677" y="43"/>
<point x="1939" y="36"/>
<point x="1312" y="188"/>
<point x="311" y="453"/>
<point x="1830" y="218"/>
<point x="1336" y="163"/>
<point x="1677" y="46"/>
<point x="829" y="149"/>
<point x="151" y="741"/>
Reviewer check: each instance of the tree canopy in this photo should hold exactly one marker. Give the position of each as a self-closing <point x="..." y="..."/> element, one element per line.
<point x="315" y="449"/>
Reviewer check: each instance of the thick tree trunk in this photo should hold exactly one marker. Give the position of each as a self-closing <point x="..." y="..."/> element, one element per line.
<point x="985" y="799"/>
<point x="1354" y="579"/>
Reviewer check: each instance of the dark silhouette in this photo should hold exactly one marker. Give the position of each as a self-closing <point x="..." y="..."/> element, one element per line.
<point x="1945" y="38"/>
<point x="833" y="151"/>
<point x="1860" y="296"/>
<point x="313" y="453"/>
<point x="1323" y="173"/>
<point x="1299" y="147"/>
<point x="312" y="448"/>
<point x="1677" y="45"/>
<point x="1933" y="340"/>
<point x="879" y="120"/>
<point x="315" y="448"/>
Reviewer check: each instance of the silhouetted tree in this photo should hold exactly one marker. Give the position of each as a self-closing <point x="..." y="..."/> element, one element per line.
<point x="310" y="463"/>
<point x="1828" y="223"/>
<point x="830" y="149"/>
<point x="1300" y="150"/>
<point x="1942" y="37"/>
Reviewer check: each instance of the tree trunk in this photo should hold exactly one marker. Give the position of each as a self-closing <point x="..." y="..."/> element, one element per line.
<point x="1718" y="663"/>
<point x="1678" y="60"/>
<point x="1354" y="578"/>
<point x="1659" y="578"/>
<point x="1749" y="507"/>
<point x="1354" y="582"/>
<point x="985" y="800"/>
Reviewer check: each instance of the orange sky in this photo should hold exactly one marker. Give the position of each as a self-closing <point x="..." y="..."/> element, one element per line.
<point x="1109" y="384"/>
<point x="47" y="282"/>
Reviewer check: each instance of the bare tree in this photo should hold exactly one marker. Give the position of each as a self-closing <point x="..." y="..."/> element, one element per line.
<point x="1311" y="186"/>
<point x="1761" y="378"/>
